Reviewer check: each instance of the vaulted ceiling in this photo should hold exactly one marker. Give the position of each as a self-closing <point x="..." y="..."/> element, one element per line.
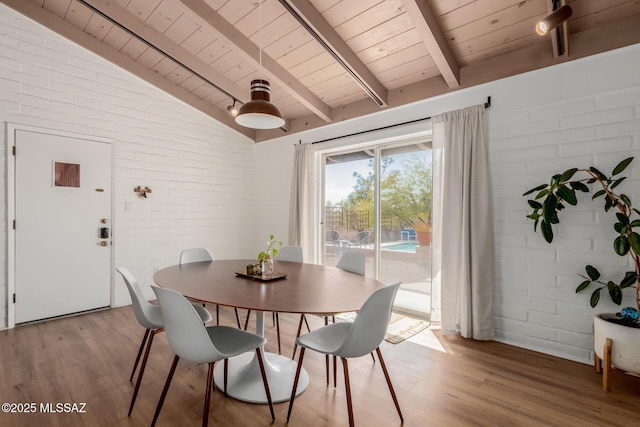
<point x="330" y="60"/>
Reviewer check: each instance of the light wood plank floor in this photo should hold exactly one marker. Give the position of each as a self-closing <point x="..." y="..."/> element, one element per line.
<point x="88" y="358"/>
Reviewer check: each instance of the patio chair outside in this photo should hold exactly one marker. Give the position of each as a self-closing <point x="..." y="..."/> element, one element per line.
<point x="331" y="241"/>
<point x="359" y="240"/>
<point x="331" y="236"/>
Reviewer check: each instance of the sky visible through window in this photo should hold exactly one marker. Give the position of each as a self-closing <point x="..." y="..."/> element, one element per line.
<point x="339" y="179"/>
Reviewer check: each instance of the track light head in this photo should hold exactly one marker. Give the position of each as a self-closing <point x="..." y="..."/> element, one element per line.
<point x="232" y="109"/>
<point x="553" y="20"/>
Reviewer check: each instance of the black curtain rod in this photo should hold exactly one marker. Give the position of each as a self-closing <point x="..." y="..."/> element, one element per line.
<point x="486" y="105"/>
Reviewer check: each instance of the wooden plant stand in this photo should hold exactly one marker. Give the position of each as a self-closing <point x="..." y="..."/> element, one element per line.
<point x="606" y="376"/>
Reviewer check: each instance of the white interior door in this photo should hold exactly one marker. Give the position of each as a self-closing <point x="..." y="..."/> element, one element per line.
<point x="62" y="200"/>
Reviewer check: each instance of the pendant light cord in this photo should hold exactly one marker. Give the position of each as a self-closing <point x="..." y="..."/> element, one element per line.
<point x="260" y="39"/>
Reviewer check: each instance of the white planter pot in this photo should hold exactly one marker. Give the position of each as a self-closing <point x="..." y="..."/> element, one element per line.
<point x="624" y="346"/>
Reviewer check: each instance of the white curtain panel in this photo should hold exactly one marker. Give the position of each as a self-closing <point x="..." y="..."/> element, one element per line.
<point x="463" y="240"/>
<point x="301" y="223"/>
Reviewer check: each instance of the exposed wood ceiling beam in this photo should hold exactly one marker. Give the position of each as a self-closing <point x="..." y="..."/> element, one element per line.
<point x="168" y="47"/>
<point x="583" y="44"/>
<point x="309" y="17"/>
<point x="76" y="35"/>
<point x="202" y="12"/>
<point x="430" y="33"/>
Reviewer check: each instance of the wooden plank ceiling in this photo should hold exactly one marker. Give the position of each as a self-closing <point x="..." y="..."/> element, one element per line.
<point x="329" y="60"/>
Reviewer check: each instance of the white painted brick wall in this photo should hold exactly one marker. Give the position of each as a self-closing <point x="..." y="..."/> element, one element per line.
<point x="273" y="172"/>
<point x="595" y="127"/>
<point x="200" y="171"/>
<point x="580" y="113"/>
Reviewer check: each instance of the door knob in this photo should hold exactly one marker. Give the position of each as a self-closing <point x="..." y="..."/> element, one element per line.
<point x="103" y="243"/>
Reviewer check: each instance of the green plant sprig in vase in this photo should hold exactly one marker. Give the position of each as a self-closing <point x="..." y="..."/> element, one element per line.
<point x="272" y="249"/>
<point x="550" y="199"/>
<point x="265" y="258"/>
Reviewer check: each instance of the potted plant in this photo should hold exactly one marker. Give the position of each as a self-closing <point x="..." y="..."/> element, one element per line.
<point x="616" y="336"/>
<point x="265" y="258"/>
<point x="422" y="226"/>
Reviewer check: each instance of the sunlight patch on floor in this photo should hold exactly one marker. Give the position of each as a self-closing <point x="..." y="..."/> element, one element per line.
<point x="427" y="338"/>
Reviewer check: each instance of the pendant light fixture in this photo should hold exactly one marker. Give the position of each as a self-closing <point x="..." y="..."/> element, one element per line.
<point x="260" y="113"/>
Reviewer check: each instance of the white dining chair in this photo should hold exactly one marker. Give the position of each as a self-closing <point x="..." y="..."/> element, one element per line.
<point x="353" y="339"/>
<point x="353" y="262"/>
<point x="288" y="254"/>
<point x="191" y="340"/>
<point x="200" y="255"/>
<point x="149" y="317"/>
<point x="195" y="255"/>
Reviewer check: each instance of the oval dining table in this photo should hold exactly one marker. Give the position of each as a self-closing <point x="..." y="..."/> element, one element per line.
<point x="307" y="288"/>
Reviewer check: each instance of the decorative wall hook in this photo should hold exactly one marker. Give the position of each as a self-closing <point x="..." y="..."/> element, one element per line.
<point x="142" y="191"/>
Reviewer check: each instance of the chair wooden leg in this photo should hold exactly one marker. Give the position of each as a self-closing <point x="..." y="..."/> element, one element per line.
<point x="347" y="387"/>
<point x="306" y="323"/>
<point x="606" y="377"/>
<point x="335" y="371"/>
<point x="217" y="314"/>
<point x="226" y="375"/>
<point x="144" y="341"/>
<point x="373" y="357"/>
<point x="295" y="346"/>
<point x="266" y="382"/>
<point x="273" y="318"/>
<point x="165" y="389"/>
<point x="326" y="356"/>
<point x="237" y="317"/>
<point x="246" y="322"/>
<point x="326" y="367"/>
<point x="278" y="332"/>
<point x="207" y="396"/>
<point x="295" y="383"/>
<point x="386" y="376"/>
<point x="141" y="373"/>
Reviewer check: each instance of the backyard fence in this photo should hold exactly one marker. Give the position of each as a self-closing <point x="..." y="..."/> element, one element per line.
<point x="340" y="218"/>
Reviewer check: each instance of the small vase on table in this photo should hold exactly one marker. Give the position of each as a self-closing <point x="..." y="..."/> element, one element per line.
<point x="267" y="265"/>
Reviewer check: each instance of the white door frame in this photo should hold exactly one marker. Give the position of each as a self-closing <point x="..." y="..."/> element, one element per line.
<point x="11" y="208"/>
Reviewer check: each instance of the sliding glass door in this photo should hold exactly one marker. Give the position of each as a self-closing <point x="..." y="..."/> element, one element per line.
<point x="405" y="224"/>
<point x="349" y="202"/>
<point x="378" y="201"/>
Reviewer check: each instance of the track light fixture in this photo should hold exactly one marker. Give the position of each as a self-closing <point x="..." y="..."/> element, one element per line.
<point x="553" y="20"/>
<point x="232" y="109"/>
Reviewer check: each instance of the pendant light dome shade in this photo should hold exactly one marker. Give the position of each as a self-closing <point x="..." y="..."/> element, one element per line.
<point x="260" y="113"/>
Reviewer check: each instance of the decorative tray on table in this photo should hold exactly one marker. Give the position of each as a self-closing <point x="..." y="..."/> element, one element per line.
<point x="259" y="277"/>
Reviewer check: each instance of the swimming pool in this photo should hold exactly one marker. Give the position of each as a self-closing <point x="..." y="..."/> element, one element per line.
<point x="401" y="247"/>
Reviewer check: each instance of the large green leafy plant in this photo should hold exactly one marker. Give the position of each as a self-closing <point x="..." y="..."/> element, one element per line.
<point x="550" y="199"/>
